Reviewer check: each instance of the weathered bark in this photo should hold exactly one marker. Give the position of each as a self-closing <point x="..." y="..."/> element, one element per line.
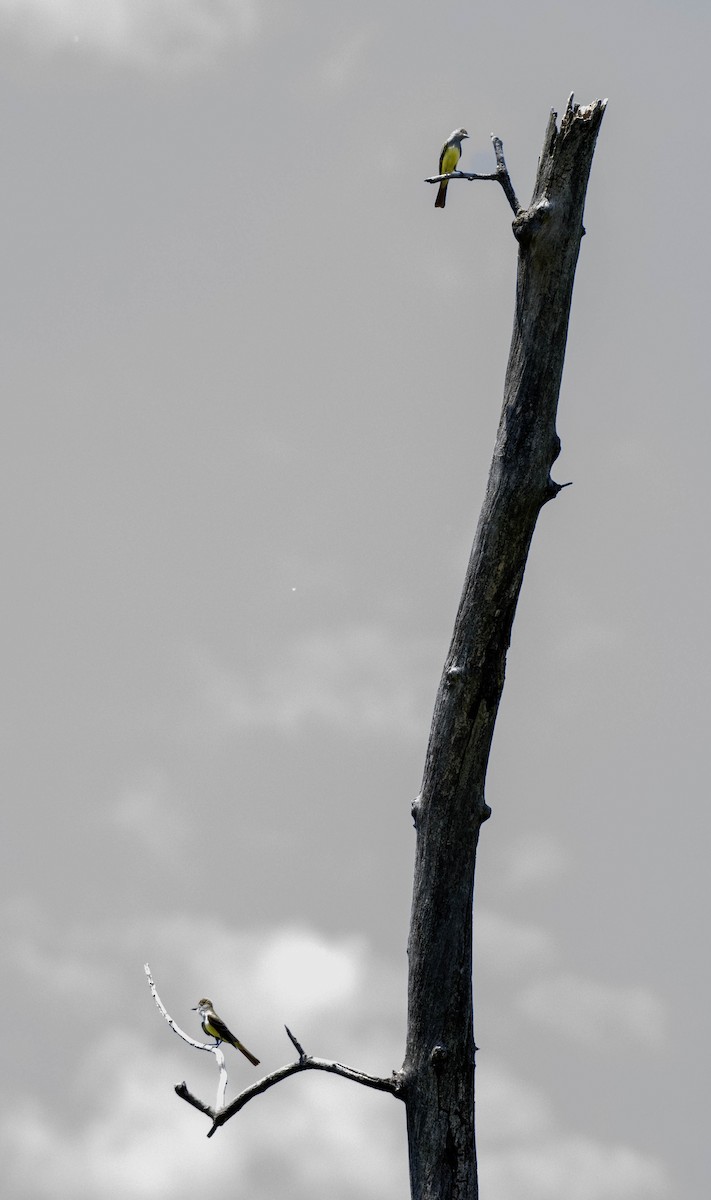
<point x="438" y="1073"/>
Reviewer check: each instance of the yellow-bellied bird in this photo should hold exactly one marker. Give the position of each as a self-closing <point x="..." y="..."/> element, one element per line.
<point x="215" y="1027"/>
<point x="448" y="159"/>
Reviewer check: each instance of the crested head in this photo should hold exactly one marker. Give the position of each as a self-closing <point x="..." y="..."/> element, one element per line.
<point x="459" y="134"/>
<point x="202" y="1004"/>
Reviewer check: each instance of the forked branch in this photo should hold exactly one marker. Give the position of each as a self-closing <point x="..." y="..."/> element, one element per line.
<point x="500" y="175"/>
<point x="219" y="1056"/>
<point x="305" y="1062"/>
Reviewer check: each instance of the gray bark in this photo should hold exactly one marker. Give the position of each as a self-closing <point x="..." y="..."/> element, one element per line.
<point x="438" y="1072"/>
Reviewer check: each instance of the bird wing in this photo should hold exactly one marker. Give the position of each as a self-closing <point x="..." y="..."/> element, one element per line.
<point x="216" y="1026"/>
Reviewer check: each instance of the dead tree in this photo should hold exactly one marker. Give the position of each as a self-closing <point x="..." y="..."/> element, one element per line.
<point x="438" y="1074"/>
<point x="436" y="1081"/>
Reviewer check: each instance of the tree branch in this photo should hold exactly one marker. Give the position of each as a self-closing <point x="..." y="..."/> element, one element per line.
<point x="164" y="1013"/>
<point x="219" y="1056"/>
<point x="222" y="1113"/>
<point x="391" y="1084"/>
<point x="500" y="175"/>
<point x="183" y="1091"/>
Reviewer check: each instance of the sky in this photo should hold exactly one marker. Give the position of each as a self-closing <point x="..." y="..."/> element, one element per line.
<point x="252" y="381"/>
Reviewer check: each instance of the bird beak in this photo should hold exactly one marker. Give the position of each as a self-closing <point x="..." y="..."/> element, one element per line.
<point x="194" y="1009"/>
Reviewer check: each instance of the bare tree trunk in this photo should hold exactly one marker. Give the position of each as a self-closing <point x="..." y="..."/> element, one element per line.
<point x="438" y="1073"/>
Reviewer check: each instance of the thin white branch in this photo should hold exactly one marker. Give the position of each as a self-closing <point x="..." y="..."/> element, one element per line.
<point x="163" y="1011"/>
<point x="222" y="1078"/>
<point x="219" y="1056"/>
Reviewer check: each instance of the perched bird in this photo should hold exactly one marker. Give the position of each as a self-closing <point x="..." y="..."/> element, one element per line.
<point x="215" y="1027"/>
<point x="448" y="159"/>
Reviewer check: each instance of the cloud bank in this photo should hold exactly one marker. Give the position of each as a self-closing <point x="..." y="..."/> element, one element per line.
<point x="170" y="34"/>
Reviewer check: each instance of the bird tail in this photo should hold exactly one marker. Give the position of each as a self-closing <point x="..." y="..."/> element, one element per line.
<point x="441" y="194"/>
<point x="238" y="1046"/>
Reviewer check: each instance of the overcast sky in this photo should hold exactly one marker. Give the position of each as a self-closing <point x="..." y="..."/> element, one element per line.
<point x="252" y="382"/>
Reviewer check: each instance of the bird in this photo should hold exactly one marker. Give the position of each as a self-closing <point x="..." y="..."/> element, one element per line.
<point x="215" y="1027"/>
<point x="448" y="159"/>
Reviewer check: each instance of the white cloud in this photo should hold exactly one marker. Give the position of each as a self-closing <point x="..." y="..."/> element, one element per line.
<point x="593" y="1012"/>
<point x="147" y="33"/>
<point x="310" y="972"/>
<point x="117" y="1129"/>
<point x="284" y="974"/>
<point x="137" y="1139"/>
<point x="336" y="1139"/>
<point x="334" y="993"/>
<point x="129" y="1142"/>
<point x="327" y="989"/>
<point x="359" y="680"/>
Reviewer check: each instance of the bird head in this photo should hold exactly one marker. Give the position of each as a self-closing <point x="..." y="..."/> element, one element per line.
<point x="202" y="1005"/>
